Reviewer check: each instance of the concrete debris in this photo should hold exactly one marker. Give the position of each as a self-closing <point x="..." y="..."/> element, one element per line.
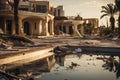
<point x="78" y="50"/>
<point x="66" y="50"/>
<point x="1" y="31"/>
<point x="5" y="46"/>
<point x="61" y="49"/>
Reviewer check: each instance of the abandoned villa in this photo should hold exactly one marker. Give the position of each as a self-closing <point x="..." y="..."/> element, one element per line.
<point x="41" y="18"/>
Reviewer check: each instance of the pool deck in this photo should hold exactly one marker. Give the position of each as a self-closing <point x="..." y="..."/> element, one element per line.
<point x="47" y="44"/>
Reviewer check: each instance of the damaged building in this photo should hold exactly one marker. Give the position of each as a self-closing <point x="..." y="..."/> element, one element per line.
<point x="35" y="18"/>
<point x="40" y="18"/>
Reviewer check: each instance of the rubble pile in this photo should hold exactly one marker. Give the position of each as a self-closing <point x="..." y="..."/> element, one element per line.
<point x="5" y="45"/>
<point x="8" y="41"/>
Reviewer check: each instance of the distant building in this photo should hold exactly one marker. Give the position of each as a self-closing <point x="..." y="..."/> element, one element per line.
<point x="42" y="7"/>
<point x="24" y="5"/>
<point x="35" y="18"/>
<point x="40" y="18"/>
<point x="72" y="27"/>
<point x="4" y="5"/>
<point x="91" y="25"/>
<point x="59" y="11"/>
<point x="75" y="25"/>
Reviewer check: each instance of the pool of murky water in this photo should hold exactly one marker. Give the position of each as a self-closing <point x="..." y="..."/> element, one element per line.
<point x="77" y="67"/>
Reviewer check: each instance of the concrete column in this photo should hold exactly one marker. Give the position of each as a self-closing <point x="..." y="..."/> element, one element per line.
<point x="45" y="28"/>
<point x="5" y="25"/>
<point x="51" y="27"/>
<point x="76" y="32"/>
<point x="75" y="29"/>
<point x="40" y="27"/>
<point x="82" y="29"/>
<point x="20" y="29"/>
<point x="13" y="27"/>
<point x="67" y="29"/>
<point x="42" y="32"/>
<point x="50" y="62"/>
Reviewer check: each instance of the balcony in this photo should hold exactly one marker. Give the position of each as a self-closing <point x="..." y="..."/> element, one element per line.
<point x="4" y="7"/>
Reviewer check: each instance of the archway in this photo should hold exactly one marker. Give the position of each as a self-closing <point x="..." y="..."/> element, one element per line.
<point x="64" y="29"/>
<point x="26" y="28"/>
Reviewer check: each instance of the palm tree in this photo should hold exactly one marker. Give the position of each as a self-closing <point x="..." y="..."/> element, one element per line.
<point x="110" y="10"/>
<point x="16" y="18"/>
<point x="117" y="3"/>
<point x="14" y="5"/>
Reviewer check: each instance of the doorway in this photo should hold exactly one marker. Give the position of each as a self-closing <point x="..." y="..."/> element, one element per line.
<point x="70" y="30"/>
<point x="26" y="28"/>
<point x="8" y="26"/>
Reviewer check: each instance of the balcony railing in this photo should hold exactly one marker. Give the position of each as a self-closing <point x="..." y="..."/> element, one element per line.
<point x="5" y="7"/>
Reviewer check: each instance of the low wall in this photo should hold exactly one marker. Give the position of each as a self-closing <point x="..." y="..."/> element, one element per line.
<point x="97" y="50"/>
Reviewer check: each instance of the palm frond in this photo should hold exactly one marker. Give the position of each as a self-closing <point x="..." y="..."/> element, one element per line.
<point x="103" y="16"/>
<point x="117" y="3"/>
<point x="115" y="9"/>
<point x="105" y="8"/>
<point x="104" y="11"/>
<point x="111" y="8"/>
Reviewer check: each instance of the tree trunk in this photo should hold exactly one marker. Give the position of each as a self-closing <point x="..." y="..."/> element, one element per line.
<point x="119" y="23"/>
<point x="16" y="18"/>
<point x="112" y="21"/>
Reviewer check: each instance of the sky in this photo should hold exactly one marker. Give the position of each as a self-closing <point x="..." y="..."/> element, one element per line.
<point x="85" y="8"/>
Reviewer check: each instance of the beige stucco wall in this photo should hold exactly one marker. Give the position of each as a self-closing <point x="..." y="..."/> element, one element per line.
<point x="67" y="23"/>
<point x="40" y="19"/>
<point x="47" y="3"/>
<point x="94" y="22"/>
<point x="4" y="26"/>
<point x="34" y="30"/>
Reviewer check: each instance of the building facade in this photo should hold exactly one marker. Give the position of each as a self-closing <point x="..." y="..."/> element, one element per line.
<point x="72" y="27"/>
<point x="59" y="11"/>
<point x="40" y="18"/>
<point x="91" y="25"/>
<point x="76" y="26"/>
<point x="35" y="18"/>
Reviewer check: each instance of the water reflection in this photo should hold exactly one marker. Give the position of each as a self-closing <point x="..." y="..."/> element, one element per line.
<point x="60" y="60"/>
<point x="71" y="67"/>
<point x="33" y="70"/>
<point x="112" y="65"/>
